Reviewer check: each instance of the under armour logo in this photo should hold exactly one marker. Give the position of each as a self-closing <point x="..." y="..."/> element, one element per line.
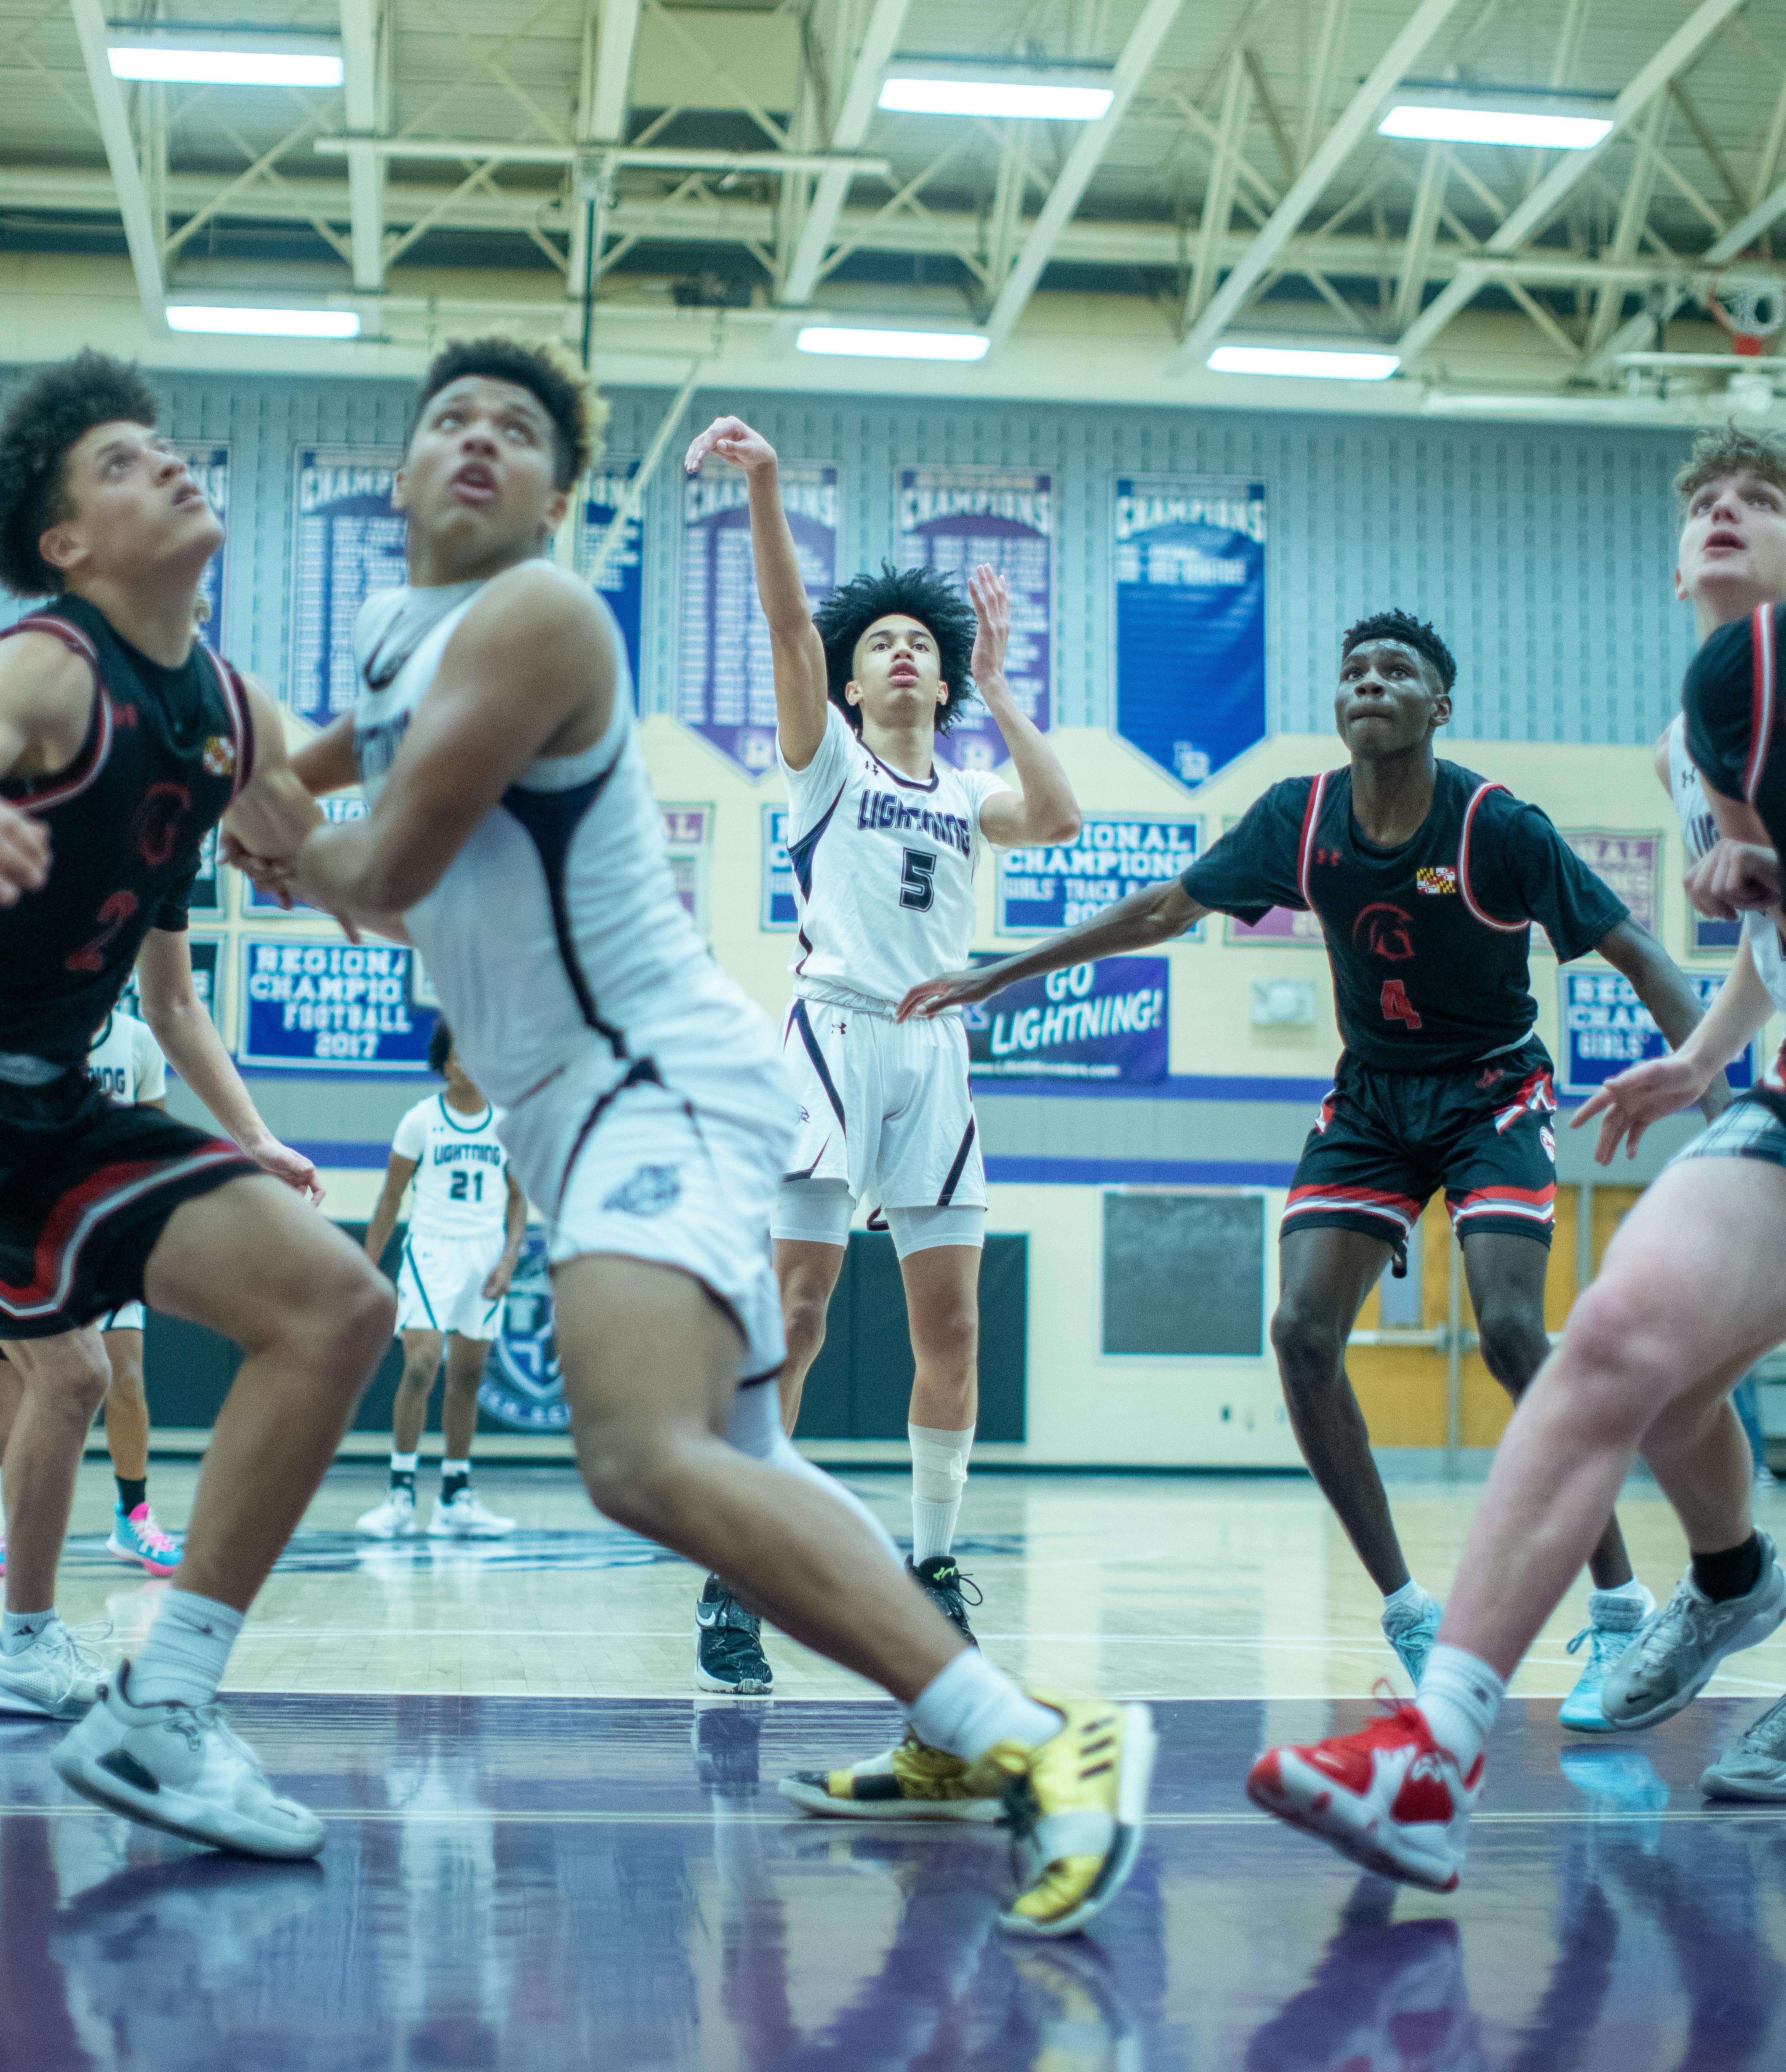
<point x="1327" y="856"/>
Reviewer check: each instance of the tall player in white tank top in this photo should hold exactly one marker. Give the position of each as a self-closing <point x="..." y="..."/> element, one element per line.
<point x="885" y="837"/>
<point x="513" y="826"/>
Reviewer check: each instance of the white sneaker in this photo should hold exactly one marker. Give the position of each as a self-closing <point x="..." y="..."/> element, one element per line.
<point x="55" y="1678"/>
<point x="391" y="1519"/>
<point x="182" y="1769"/>
<point x="464" y="1518"/>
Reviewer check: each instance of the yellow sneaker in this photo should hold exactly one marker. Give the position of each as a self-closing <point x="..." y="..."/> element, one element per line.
<point x="1077" y="1805"/>
<point x="909" y="1782"/>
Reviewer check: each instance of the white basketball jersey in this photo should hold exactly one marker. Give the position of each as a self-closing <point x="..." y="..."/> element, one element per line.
<point x="461" y="1188"/>
<point x="127" y="1062"/>
<point x="1699" y="832"/>
<point x="883" y="869"/>
<point x="555" y="935"/>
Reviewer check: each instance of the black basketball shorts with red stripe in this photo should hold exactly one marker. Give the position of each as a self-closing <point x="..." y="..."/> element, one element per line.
<point x="1385" y="1142"/>
<point x="86" y="1189"/>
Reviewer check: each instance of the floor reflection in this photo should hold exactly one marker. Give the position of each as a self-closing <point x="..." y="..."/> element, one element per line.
<point x="551" y="1885"/>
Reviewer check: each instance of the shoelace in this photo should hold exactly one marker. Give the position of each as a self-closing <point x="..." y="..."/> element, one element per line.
<point x="1758" y="1737"/>
<point x="1661" y="1639"/>
<point x="78" y="1642"/>
<point x="1608" y="1645"/>
<point x="155" y="1536"/>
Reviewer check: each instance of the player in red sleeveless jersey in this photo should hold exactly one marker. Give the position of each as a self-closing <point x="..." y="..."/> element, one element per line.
<point x="123" y="741"/>
<point x="1426" y="879"/>
<point x="1689" y="1296"/>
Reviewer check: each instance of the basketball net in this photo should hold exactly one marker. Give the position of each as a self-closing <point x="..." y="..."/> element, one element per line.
<point x="1751" y="308"/>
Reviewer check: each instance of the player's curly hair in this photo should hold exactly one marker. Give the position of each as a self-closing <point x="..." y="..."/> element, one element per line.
<point x="565" y="392"/>
<point x="440" y="1043"/>
<point x="1731" y="449"/>
<point x="1412" y="632"/>
<point x="920" y="594"/>
<point x="60" y="405"/>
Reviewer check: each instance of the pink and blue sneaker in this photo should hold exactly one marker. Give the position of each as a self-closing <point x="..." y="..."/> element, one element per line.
<point x="138" y="1536"/>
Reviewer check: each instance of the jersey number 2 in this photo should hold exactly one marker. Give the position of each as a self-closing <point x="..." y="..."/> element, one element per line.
<point x="917" y="889"/>
<point x="117" y="909"/>
<point x="1396" y="1006"/>
<point x="459" y="1181"/>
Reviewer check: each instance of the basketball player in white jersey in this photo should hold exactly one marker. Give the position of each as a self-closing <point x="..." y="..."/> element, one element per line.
<point x="885" y="837"/>
<point x="513" y="826"/>
<point x="458" y="1256"/>
<point x="127" y="1062"/>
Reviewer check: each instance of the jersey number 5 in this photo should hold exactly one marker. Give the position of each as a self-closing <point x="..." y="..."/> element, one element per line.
<point x="917" y="889"/>
<point x="1396" y="1006"/>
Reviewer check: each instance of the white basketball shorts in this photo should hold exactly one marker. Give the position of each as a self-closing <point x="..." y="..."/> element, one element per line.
<point x="127" y="1317"/>
<point x="680" y="1175"/>
<point x="440" y="1284"/>
<point x="884" y="1107"/>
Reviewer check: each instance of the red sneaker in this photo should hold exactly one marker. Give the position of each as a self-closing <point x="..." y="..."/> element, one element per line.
<point x="1389" y="1797"/>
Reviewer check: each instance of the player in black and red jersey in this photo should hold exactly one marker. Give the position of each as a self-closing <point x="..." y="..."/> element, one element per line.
<point x="1426" y="879"/>
<point x="123" y="741"/>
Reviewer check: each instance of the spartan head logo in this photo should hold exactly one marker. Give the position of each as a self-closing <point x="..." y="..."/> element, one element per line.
<point x="1386" y="931"/>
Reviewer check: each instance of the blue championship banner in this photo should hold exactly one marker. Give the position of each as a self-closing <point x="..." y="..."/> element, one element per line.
<point x="347" y="542"/>
<point x="726" y="684"/>
<point x="209" y="468"/>
<point x="1190" y="620"/>
<point x="952" y="519"/>
<point x="1105" y="1021"/>
<point x="623" y="582"/>
<point x="337" y="808"/>
<point x="332" y="1006"/>
<point x="779" y="912"/>
<point x="1044" y="890"/>
<point x="1606" y="1029"/>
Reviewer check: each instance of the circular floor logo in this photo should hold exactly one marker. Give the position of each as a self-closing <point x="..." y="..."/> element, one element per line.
<point x="522" y="1387"/>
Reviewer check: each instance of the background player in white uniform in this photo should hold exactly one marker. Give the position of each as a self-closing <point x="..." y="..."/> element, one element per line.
<point x="458" y="1255"/>
<point x="885" y="837"/>
<point x="127" y="1062"/>
<point x="513" y="825"/>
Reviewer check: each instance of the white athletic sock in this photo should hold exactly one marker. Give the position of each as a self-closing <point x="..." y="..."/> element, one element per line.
<point x="1406" y="1604"/>
<point x="939" y="1475"/>
<point x="403" y="1463"/>
<point x="183" y="1659"/>
<point x="970" y="1707"/>
<point x="19" y="1630"/>
<point x="1459" y="1695"/>
<point x="455" y="1475"/>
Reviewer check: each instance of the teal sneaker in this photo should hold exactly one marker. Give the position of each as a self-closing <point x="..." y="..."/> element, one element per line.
<point x="138" y="1536"/>
<point x="1412" y="1634"/>
<point x="1612" y="1620"/>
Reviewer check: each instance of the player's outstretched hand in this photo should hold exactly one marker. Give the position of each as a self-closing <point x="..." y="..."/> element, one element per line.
<point x="24" y="855"/>
<point x="1733" y="877"/>
<point x="271" y="874"/>
<point x="936" y="995"/>
<point x="1626" y="1106"/>
<point x="733" y="440"/>
<point x="992" y="633"/>
<point x="291" y="1166"/>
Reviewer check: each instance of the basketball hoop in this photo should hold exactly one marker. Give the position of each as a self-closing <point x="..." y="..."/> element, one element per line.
<point x="1749" y="300"/>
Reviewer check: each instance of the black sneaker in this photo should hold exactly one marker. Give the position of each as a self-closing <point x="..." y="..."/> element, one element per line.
<point x="728" y="1653"/>
<point x="945" y="1585"/>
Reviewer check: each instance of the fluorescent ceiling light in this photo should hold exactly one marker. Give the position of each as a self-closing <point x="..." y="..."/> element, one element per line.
<point x="1304" y="360"/>
<point x="859" y="344"/>
<point x="1496" y="126"/>
<point x="265" y="323"/>
<point x="190" y="66"/>
<point x="1038" y="99"/>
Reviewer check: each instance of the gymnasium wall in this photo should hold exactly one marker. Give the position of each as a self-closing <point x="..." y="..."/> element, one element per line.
<point x="1542" y="553"/>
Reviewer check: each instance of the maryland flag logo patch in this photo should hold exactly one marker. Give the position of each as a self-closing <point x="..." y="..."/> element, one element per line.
<point x="219" y="755"/>
<point x="1436" y="878"/>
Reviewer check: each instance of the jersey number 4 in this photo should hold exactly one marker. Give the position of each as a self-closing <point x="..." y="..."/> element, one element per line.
<point x="1396" y="1006"/>
<point x="917" y="888"/>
